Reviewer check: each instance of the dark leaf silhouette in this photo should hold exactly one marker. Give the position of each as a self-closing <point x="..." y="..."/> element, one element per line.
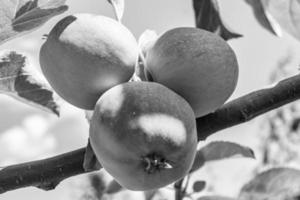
<point x="21" y="82"/>
<point x="208" y="17"/>
<point x="198" y="186"/>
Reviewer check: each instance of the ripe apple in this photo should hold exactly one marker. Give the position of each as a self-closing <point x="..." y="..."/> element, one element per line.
<point x="144" y="135"/>
<point x="85" y="55"/>
<point x="197" y="64"/>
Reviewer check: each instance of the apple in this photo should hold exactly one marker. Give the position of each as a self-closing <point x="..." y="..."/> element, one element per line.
<point x="197" y="64"/>
<point x="85" y="55"/>
<point x="144" y="135"/>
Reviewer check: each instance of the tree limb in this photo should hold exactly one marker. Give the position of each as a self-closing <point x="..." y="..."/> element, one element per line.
<point x="247" y="107"/>
<point x="45" y="174"/>
<point x="48" y="173"/>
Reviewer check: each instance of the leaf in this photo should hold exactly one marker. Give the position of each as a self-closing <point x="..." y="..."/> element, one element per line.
<point x="286" y="13"/>
<point x="88" y="115"/>
<point x="277" y="14"/>
<point x="22" y="83"/>
<point x="98" y="187"/>
<point x="220" y="150"/>
<point x="90" y="162"/>
<point x="276" y="183"/>
<point x="18" y="17"/>
<point x="198" y="186"/>
<point x="147" y="40"/>
<point x="119" y="6"/>
<point x="208" y="17"/>
<point x="113" y="187"/>
<point x="264" y="18"/>
<point x="215" y="198"/>
<point x="150" y="194"/>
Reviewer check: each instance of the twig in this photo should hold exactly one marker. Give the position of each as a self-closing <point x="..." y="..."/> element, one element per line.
<point x="46" y="174"/>
<point x="178" y="190"/>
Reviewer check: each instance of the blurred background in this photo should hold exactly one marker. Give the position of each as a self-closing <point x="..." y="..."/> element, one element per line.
<point x="27" y="133"/>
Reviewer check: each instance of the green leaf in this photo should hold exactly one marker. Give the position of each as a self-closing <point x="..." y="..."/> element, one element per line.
<point x="220" y="150"/>
<point x="21" y="82"/>
<point x="276" y="183"/>
<point x="119" y="6"/>
<point x="208" y="17"/>
<point x="18" y="17"/>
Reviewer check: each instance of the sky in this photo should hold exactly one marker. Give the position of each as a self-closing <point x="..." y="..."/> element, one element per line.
<point x="27" y="133"/>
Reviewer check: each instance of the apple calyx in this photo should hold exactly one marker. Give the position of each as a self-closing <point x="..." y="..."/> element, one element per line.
<point x="155" y="163"/>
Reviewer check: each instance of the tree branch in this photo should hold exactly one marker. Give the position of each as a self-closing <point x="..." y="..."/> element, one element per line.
<point x="247" y="107"/>
<point x="45" y="174"/>
<point x="48" y="173"/>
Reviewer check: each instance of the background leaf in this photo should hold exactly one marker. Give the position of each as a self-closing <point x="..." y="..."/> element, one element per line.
<point x="220" y="150"/>
<point x="97" y="187"/>
<point x="198" y="186"/>
<point x="119" y="6"/>
<point x="286" y="13"/>
<point x="22" y="83"/>
<point x="264" y="18"/>
<point x="208" y="17"/>
<point x="150" y="194"/>
<point x="276" y="14"/>
<point x="18" y="17"/>
<point x="113" y="187"/>
<point x="276" y="183"/>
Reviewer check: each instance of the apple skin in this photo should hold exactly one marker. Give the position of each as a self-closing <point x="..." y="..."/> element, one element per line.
<point x="138" y="120"/>
<point x="85" y="55"/>
<point x="197" y="64"/>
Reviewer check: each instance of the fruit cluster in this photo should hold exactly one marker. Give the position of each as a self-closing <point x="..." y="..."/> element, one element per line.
<point x="142" y="132"/>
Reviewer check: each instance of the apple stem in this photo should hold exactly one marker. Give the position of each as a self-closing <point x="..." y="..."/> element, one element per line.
<point x="142" y="57"/>
<point x="140" y="66"/>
